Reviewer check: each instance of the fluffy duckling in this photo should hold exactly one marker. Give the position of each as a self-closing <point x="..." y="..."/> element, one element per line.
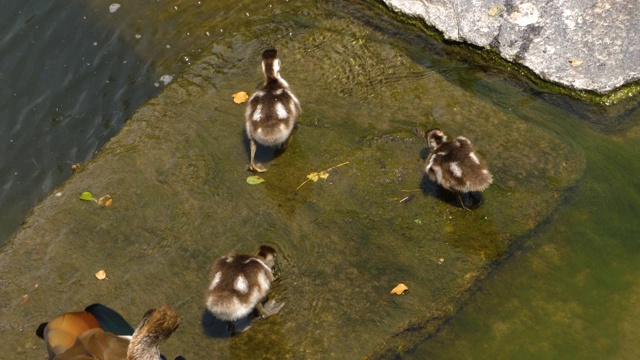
<point x="101" y="333"/>
<point x="272" y="111"/>
<point x="455" y="165"/>
<point x="239" y="284"/>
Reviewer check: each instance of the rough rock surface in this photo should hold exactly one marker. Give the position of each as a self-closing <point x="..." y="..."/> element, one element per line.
<point x="582" y="44"/>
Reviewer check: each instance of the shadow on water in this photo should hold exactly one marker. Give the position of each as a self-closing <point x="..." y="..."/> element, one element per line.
<point x="216" y="328"/>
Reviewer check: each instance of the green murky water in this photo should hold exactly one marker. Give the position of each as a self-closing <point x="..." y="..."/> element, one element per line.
<point x="571" y="290"/>
<point x="176" y="173"/>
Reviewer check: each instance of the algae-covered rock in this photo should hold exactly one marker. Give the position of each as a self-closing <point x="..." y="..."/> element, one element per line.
<point x="176" y="174"/>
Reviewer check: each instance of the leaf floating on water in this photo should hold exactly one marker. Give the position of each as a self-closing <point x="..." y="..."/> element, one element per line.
<point x="101" y="275"/>
<point x="105" y="200"/>
<point x="87" y="196"/>
<point x="114" y="7"/>
<point x="399" y="289"/>
<point x="255" y="180"/>
<point x="23" y="299"/>
<point x="240" y="97"/>
<point x="324" y="174"/>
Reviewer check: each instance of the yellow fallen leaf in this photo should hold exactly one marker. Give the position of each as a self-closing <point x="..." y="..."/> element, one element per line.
<point x="240" y="97"/>
<point x="75" y="167"/>
<point x="399" y="289"/>
<point x="324" y="174"/>
<point x="101" y="275"/>
<point x="105" y="200"/>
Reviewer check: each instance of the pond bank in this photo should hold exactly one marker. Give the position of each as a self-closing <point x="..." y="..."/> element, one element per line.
<point x="176" y="174"/>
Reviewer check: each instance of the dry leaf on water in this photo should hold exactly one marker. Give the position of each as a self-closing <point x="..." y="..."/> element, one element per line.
<point x="399" y="289"/>
<point x="101" y="275"/>
<point x="105" y="200"/>
<point x="324" y="174"/>
<point x="240" y="97"/>
<point x="23" y="299"/>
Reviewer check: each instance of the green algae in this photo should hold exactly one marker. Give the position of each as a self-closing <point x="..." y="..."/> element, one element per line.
<point x="176" y="174"/>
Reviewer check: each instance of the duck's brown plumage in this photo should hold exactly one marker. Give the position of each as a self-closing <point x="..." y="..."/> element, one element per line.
<point x="77" y="335"/>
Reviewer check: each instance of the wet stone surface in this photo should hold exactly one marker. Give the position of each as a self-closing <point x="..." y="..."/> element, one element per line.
<point x="177" y="177"/>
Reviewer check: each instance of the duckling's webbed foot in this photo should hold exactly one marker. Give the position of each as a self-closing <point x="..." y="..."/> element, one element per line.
<point x="269" y="308"/>
<point x="256" y="167"/>
<point x="253" y="166"/>
<point x="461" y="199"/>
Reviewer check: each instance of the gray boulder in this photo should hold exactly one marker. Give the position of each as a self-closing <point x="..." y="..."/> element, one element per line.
<point x="581" y="44"/>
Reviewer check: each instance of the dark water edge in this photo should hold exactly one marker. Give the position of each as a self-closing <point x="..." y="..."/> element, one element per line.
<point x="70" y="84"/>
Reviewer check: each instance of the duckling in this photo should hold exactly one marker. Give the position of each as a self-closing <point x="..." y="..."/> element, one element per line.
<point x="100" y="332"/>
<point x="239" y="284"/>
<point x="272" y="111"/>
<point x="455" y="165"/>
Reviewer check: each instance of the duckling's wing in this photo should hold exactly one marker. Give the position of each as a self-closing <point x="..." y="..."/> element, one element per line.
<point x="110" y="320"/>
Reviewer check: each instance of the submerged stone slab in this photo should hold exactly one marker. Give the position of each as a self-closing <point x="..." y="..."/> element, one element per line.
<point x="582" y="44"/>
<point x="176" y="174"/>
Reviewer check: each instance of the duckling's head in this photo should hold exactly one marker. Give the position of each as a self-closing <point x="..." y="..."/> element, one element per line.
<point x="268" y="255"/>
<point x="435" y="137"/>
<point x="271" y="64"/>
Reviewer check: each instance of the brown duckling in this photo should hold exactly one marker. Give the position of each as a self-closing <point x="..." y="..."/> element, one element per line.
<point x="272" y="111"/>
<point x="239" y="284"/>
<point x="455" y="165"/>
<point x="101" y="333"/>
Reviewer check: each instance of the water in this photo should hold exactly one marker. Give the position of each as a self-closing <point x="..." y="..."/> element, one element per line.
<point x="361" y="125"/>
<point x="570" y="289"/>
<point x="70" y="83"/>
